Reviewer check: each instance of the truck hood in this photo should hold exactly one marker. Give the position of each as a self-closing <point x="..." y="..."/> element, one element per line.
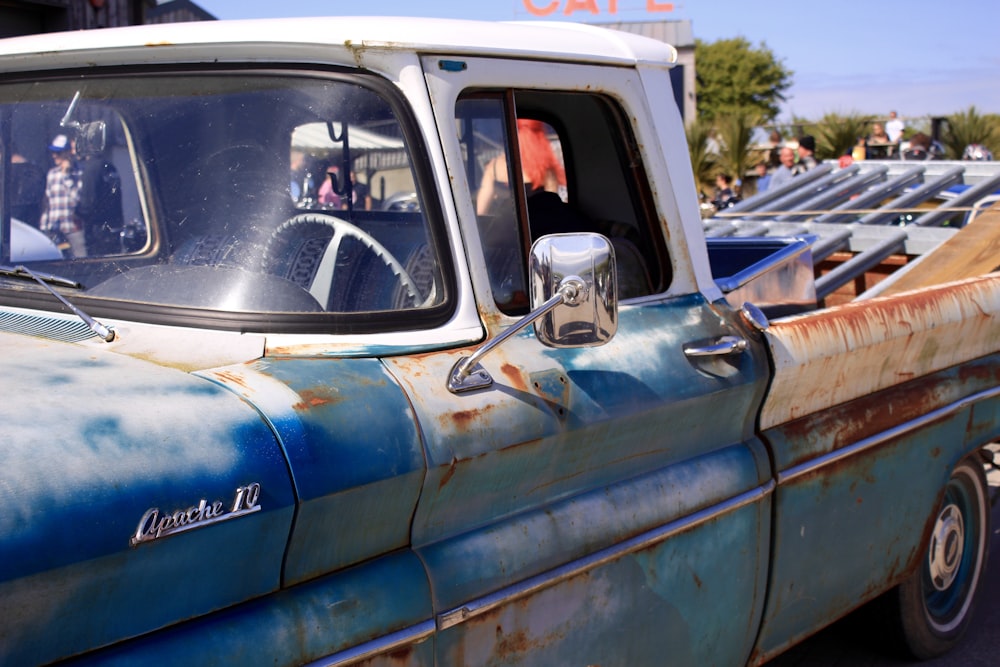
<point x="123" y="482"/>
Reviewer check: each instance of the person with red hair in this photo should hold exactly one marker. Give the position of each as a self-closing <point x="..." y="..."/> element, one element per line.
<point x="541" y="170"/>
<point x="540" y="167"/>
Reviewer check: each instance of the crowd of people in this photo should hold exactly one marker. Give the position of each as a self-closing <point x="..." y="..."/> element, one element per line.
<point x="884" y="141"/>
<point x="782" y="164"/>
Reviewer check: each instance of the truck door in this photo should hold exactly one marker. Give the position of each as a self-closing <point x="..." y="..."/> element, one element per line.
<point x="596" y="505"/>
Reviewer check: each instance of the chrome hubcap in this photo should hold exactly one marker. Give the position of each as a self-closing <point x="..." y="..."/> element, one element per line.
<point x="947" y="542"/>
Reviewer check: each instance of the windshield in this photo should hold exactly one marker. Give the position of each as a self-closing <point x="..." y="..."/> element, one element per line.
<point x="273" y="199"/>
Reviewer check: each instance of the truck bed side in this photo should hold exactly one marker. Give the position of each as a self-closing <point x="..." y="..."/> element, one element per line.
<point x="871" y="406"/>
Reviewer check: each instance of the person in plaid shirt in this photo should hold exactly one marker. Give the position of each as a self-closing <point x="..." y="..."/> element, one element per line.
<point x="62" y="194"/>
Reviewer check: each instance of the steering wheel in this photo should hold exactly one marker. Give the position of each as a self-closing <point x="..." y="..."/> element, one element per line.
<point x="321" y="278"/>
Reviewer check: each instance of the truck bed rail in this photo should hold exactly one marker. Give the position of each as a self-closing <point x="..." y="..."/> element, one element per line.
<point x="872" y="210"/>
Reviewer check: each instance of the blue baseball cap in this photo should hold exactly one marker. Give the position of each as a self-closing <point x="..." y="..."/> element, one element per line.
<point x="59" y="143"/>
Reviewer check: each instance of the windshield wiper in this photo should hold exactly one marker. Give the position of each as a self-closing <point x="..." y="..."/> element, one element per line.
<point x="46" y="280"/>
<point x="22" y="271"/>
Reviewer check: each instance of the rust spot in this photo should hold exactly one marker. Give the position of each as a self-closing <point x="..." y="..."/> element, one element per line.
<point x="510" y="646"/>
<point x="232" y="378"/>
<point x="514" y="376"/>
<point x="696" y="578"/>
<point x="980" y="372"/>
<point x="398" y="656"/>
<point x="837" y="427"/>
<point x="463" y="419"/>
<point x="314" y="399"/>
<point x="448" y="475"/>
<point x="936" y="452"/>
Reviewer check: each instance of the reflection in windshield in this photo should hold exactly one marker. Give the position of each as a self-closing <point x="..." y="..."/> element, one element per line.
<point x="245" y="194"/>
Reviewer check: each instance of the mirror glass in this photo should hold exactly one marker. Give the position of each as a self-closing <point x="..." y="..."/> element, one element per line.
<point x="591" y="318"/>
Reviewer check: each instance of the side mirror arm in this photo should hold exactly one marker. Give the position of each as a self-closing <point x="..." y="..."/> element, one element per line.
<point x="467" y="374"/>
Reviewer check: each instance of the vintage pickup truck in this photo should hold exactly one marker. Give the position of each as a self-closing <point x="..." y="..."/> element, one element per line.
<point x="293" y="375"/>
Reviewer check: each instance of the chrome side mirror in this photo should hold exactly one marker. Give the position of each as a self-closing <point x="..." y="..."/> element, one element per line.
<point x="574" y="299"/>
<point x="590" y="316"/>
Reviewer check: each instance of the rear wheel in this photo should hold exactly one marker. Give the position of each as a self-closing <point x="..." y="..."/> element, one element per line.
<point x="935" y="604"/>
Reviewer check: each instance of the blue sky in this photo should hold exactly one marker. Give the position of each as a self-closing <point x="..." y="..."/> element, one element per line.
<point x="869" y="56"/>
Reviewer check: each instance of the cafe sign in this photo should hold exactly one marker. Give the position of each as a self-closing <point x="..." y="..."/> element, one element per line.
<point x="594" y="7"/>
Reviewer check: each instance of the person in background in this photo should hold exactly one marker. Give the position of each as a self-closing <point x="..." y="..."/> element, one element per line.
<point x="774" y="143"/>
<point x="27" y="189"/>
<point x="327" y="193"/>
<point x="724" y="195"/>
<point x="878" y="135"/>
<point x="539" y="165"/>
<point x="807" y="153"/>
<point x="860" y="150"/>
<point x="894" y="128"/>
<point x="919" y="148"/>
<point x="713" y="145"/>
<point x="540" y="168"/>
<point x="297" y="169"/>
<point x="361" y="197"/>
<point x="786" y="171"/>
<point x="977" y="152"/>
<point x="99" y="207"/>
<point x="62" y="194"/>
<point x="763" y="177"/>
<point x="542" y="176"/>
<point x="880" y="146"/>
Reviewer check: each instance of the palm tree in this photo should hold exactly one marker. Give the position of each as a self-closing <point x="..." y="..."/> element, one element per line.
<point x="837" y="134"/>
<point x="968" y="127"/>
<point x="703" y="161"/>
<point x="737" y="152"/>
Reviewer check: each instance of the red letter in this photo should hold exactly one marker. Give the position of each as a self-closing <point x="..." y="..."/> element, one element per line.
<point x="654" y="6"/>
<point x="578" y="5"/>
<point x="545" y="11"/>
<point x="612" y="6"/>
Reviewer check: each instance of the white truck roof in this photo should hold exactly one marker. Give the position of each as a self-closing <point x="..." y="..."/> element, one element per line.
<point x="251" y="39"/>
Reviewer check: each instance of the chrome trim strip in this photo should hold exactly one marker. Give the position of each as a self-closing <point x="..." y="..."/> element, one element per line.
<point x="391" y="641"/>
<point x="874" y="441"/>
<point x="486" y="603"/>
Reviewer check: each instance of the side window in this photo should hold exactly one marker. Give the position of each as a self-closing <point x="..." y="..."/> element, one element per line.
<point x="579" y="171"/>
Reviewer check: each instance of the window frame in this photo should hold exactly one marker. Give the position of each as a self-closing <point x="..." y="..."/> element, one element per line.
<point x="627" y="157"/>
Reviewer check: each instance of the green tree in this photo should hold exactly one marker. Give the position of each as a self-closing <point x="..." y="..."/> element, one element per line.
<point x="734" y="76"/>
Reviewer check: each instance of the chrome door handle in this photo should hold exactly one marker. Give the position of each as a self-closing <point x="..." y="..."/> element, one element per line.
<point x="723" y="346"/>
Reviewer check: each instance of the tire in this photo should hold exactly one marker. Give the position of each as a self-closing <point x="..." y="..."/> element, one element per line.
<point x="934" y="606"/>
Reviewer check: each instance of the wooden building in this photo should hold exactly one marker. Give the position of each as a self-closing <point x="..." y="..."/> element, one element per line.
<point x="26" y="17"/>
